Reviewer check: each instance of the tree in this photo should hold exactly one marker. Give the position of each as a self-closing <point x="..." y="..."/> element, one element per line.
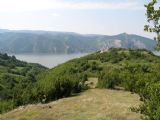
<point x="153" y="17"/>
<point x="150" y="94"/>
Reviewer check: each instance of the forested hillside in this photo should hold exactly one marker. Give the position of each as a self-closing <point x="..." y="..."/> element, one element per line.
<point x="16" y="80"/>
<point x="65" y="42"/>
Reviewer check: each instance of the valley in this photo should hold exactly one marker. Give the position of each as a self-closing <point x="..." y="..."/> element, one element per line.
<point x="79" y="59"/>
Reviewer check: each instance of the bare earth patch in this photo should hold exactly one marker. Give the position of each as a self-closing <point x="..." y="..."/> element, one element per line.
<point x="93" y="104"/>
<point x="91" y="82"/>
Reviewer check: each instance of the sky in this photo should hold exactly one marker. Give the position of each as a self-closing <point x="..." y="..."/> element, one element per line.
<point x="107" y="17"/>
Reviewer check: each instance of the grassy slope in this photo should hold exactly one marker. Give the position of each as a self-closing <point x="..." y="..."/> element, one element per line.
<point x="93" y="104"/>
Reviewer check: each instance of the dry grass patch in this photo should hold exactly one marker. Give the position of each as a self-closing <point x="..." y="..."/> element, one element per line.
<point x="94" y="104"/>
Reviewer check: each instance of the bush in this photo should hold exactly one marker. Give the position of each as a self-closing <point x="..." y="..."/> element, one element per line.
<point x="108" y="79"/>
<point x="6" y="105"/>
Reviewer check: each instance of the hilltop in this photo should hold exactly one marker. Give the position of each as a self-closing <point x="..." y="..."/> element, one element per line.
<point x="26" y="41"/>
<point x="121" y="70"/>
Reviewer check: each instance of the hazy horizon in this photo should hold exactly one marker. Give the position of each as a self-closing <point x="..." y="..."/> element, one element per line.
<point x="75" y="32"/>
<point x="79" y="16"/>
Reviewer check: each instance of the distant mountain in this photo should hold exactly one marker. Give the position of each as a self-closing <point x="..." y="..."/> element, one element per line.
<point x="25" y="41"/>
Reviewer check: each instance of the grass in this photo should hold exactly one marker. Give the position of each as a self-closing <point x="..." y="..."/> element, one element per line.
<point x="93" y="104"/>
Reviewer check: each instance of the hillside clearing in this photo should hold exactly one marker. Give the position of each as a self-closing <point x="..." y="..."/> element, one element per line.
<point x="93" y="104"/>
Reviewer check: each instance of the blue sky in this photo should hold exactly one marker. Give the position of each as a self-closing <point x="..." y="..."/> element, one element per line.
<point x="82" y="16"/>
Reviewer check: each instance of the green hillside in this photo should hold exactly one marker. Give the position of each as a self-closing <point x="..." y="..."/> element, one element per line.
<point x="134" y="70"/>
<point x="118" y="62"/>
<point x="16" y="80"/>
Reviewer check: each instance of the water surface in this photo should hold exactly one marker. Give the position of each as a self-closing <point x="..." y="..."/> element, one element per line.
<point x="50" y="60"/>
<point x="156" y="53"/>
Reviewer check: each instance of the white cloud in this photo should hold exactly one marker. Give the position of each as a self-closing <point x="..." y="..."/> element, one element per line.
<point x="56" y="14"/>
<point x="100" y="5"/>
<point x="37" y="5"/>
<point x="24" y="5"/>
